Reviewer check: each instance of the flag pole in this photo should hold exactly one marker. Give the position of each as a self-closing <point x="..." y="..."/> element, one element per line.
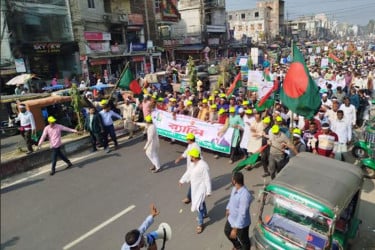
<point x="292" y="115"/>
<point x="118" y="80"/>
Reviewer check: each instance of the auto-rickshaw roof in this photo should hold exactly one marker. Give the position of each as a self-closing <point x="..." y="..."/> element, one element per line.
<point x="327" y="181"/>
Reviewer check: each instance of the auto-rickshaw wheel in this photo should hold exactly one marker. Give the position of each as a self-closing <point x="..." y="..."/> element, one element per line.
<point x="359" y="152"/>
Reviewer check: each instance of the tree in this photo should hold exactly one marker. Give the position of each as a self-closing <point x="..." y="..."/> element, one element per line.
<point x="192" y="72"/>
<point x="224" y="76"/>
<point x="77" y="105"/>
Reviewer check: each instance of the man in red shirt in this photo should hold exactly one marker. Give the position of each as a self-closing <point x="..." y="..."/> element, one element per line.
<point x="325" y="140"/>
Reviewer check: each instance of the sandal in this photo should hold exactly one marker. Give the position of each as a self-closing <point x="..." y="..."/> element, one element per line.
<point x="199" y="229"/>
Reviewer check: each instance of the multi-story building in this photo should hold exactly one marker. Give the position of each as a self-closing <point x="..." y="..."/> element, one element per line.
<point x="42" y="37"/>
<point x="201" y="33"/>
<point x="259" y="24"/>
<point x="317" y="26"/>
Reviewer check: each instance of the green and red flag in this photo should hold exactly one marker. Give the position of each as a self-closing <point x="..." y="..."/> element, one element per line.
<point x="266" y="74"/>
<point x="299" y="91"/>
<point x="128" y="82"/>
<point x="235" y="84"/>
<point x="269" y="93"/>
<point x="333" y="59"/>
<point x="251" y="160"/>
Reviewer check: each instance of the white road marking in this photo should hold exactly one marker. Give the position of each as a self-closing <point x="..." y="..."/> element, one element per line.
<point x="97" y="228"/>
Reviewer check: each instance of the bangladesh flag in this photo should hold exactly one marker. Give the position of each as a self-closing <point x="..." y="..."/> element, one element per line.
<point x="333" y="59"/>
<point x="235" y="84"/>
<point x="300" y="92"/>
<point x="127" y="81"/>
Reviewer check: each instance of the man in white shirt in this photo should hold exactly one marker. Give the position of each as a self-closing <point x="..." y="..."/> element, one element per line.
<point x="128" y="113"/>
<point x="108" y="127"/>
<point x="349" y="111"/>
<point x="27" y="126"/>
<point x="343" y="129"/>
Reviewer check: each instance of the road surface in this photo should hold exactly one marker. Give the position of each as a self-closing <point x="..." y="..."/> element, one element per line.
<point x="94" y="204"/>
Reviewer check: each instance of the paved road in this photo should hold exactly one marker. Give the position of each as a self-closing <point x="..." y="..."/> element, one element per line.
<point x="93" y="205"/>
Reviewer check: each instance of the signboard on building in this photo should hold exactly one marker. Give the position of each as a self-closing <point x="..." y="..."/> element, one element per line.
<point x="216" y="28"/>
<point x="213" y="41"/>
<point x="97" y="47"/>
<point x="47" y="48"/>
<point x="100" y="61"/>
<point x="20" y="65"/>
<point x="135" y="19"/>
<point x="169" y="11"/>
<point x="97" y="36"/>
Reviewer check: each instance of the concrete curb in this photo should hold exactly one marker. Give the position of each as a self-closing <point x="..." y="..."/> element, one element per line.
<point x="41" y="157"/>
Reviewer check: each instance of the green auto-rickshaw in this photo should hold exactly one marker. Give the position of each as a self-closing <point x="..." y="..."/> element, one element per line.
<point x="311" y="204"/>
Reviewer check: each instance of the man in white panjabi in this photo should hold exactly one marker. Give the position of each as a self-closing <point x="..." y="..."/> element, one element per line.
<point x="152" y="145"/>
<point x="199" y="177"/>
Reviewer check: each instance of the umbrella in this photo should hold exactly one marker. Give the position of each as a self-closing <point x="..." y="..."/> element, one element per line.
<point x="20" y="79"/>
<point x="252" y="159"/>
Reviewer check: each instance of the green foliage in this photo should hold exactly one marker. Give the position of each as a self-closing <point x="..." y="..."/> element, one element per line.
<point x="192" y="74"/>
<point x="250" y="64"/>
<point x="77" y="105"/>
<point x="224" y="76"/>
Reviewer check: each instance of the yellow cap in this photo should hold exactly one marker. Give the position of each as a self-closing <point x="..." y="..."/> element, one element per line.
<point x="204" y="101"/>
<point x="248" y="111"/>
<point x="214" y="106"/>
<point x="279" y="118"/>
<point x="232" y="110"/>
<point x="211" y="98"/>
<point x="221" y="111"/>
<point x="160" y="99"/>
<point x="216" y="92"/>
<point x="245" y="103"/>
<point x="190" y="136"/>
<point x="266" y="119"/>
<point x="173" y="99"/>
<point x="188" y="103"/>
<point x="51" y="119"/>
<point x="154" y="96"/>
<point x="275" y="129"/>
<point x="194" y="152"/>
<point x="297" y="131"/>
<point x="148" y="118"/>
<point x="103" y="102"/>
<point x="222" y="95"/>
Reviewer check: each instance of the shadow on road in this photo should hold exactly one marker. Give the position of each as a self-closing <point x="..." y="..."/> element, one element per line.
<point x="171" y="164"/>
<point x="9" y="243"/>
<point x="20" y="185"/>
<point x="97" y="157"/>
<point x="218" y="211"/>
<point x="221" y="181"/>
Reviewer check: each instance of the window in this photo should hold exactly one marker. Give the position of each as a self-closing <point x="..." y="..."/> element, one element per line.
<point x="157" y="5"/>
<point x="256" y="14"/>
<point x="91" y="4"/>
<point x="243" y="16"/>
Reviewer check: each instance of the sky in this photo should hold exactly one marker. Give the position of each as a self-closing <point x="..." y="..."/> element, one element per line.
<point x="349" y="11"/>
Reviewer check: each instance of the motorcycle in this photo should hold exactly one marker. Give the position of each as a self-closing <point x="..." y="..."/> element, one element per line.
<point x="364" y="150"/>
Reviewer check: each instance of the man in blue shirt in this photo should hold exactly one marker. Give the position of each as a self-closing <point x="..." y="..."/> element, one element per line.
<point x="238" y="214"/>
<point x="135" y="239"/>
<point x="106" y="114"/>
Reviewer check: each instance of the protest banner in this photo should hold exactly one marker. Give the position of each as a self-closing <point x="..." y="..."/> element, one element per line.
<point x="206" y="134"/>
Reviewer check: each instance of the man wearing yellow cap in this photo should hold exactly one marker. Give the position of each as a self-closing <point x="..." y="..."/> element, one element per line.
<point x="247" y="119"/>
<point x="213" y="116"/>
<point x="199" y="177"/>
<point x="53" y="131"/>
<point x="234" y="121"/>
<point x="278" y="142"/>
<point x="190" y="138"/>
<point x="204" y="111"/>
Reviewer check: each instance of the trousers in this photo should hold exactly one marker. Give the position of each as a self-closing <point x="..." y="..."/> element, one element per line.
<point x="57" y="152"/>
<point x="242" y="241"/>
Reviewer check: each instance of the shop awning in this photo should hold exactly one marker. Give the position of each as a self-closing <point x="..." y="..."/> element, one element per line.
<point x="197" y="48"/>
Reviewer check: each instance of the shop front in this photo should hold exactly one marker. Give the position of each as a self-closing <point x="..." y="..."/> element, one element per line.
<point x="51" y="59"/>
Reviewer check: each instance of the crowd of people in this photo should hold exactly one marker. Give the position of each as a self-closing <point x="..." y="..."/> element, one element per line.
<point x="281" y="133"/>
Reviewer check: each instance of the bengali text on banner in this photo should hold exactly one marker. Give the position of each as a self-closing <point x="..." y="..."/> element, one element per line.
<point x="206" y="134"/>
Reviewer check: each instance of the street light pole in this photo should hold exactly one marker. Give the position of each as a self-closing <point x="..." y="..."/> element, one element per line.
<point x="149" y="44"/>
